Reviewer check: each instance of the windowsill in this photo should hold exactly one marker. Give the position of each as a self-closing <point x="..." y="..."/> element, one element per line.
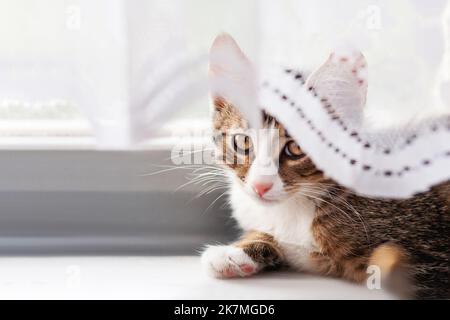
<point x="175" y="277"/>
<point x="60" y="196"/>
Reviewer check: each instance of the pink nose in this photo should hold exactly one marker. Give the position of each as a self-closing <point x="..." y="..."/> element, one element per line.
<point x="262" y="188"/>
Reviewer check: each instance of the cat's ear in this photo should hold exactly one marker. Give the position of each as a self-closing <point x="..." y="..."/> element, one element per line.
<point x="232" y="78"/>
<point x="342" y="80"/>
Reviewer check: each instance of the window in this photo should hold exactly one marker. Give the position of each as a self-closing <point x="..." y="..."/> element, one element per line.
<point x="55" y="36"/>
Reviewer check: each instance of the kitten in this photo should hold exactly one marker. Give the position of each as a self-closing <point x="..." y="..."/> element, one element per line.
<point x="297" y="217"/>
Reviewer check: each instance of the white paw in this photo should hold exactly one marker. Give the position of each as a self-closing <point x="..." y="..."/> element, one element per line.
<point x="228" y="262"/>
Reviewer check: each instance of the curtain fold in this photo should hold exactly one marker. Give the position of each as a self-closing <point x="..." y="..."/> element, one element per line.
<point x="121" y="62"/>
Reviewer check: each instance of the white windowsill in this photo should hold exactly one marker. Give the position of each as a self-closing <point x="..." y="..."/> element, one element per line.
<point x="176" y="277"/>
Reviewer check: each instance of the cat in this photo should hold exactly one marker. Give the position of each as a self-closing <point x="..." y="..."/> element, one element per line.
<point x="300" y="218"/>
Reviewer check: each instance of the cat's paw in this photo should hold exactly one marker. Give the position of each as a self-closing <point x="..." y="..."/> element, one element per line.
<point x="228" y="262"/>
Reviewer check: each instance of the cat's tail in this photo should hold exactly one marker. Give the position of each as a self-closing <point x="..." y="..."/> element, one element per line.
<point x="408" y="278"/>
<point x="393" y="263"/>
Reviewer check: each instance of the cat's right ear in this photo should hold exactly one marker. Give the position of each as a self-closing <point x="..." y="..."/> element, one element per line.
<point x="232" y="78"/>
<point x="342" y="80"/>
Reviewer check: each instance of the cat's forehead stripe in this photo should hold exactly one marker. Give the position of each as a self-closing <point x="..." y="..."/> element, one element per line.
<point x="271" y="122"/>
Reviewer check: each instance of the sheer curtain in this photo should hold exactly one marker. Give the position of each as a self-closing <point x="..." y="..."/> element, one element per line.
<point x="406" y="43"/>
<point x="130" y="65"/>
<point x="108" y="57"/>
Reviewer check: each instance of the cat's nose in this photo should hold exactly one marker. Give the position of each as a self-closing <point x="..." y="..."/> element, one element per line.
<point x="262" y="188"/>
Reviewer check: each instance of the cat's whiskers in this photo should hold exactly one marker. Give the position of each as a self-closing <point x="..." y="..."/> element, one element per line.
<point x="169" y="168"/>
<point x="211" y="177"/>
<point x="217" y="199"/>
<point x="212" y="180"/>
<point x="342" y="201"/>
<point x="335" y="218"/>
<point x="319" y="191"/>
<point x="203" y="182"/>
<point x="318" y="196"/>
<point x="330" y="187"/>
<point x="210" y="190"/>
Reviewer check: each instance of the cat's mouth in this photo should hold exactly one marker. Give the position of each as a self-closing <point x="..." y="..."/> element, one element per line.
<point x="271" y="200"/>
<point x="268" y="201"/>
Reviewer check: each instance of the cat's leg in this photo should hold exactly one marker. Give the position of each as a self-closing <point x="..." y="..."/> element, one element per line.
<point x="251" y="254"/>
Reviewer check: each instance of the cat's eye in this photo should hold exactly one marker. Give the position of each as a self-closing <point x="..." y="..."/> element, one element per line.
<point x="242" y="143"/>
<point x="293" y="151"/>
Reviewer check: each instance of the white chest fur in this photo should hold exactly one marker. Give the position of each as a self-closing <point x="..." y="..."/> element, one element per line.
<point x="289" y="222"/>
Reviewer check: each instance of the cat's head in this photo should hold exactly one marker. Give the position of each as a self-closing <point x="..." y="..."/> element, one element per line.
<point x="263" y="159"/>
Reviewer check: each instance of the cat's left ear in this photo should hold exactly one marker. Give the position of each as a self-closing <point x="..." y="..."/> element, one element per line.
<point x="342" y="80"/>
<point x="232" y="78"/>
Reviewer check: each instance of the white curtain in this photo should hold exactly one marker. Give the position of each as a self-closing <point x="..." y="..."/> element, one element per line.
<point x="406" y="43"/>
<point x="124" y="63"/>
